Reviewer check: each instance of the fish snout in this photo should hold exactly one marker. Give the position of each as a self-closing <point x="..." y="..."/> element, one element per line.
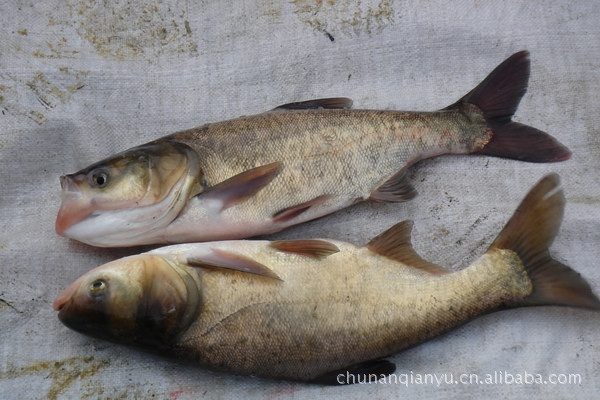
<point x="74" y="208"/>
<point x="71" y="313"/>
<point x="64" y="182"/>
<point x="69" y="183"/>
<point x="65" y="296"/>
<point x="60" y="302"/>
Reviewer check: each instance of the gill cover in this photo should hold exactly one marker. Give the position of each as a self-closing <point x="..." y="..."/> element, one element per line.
<point x="145" y="300"/>
<point x="129" y="198"/>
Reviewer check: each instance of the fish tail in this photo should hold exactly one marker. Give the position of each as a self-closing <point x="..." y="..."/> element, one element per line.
<point x="529" y="233"/>
<point x="498" y="97"/>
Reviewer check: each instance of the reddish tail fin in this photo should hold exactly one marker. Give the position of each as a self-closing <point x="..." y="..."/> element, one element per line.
<point x="498" y="97"/>
<point x="529" y="233"/>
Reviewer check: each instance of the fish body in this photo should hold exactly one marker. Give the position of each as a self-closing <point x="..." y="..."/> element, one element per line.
<point x="315" y="310"/>
<point x="328" y="314"/>
<point x="260" y="174"/>
<point x="338" y="156"/>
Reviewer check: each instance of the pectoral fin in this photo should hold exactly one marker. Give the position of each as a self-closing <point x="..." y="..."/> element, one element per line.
<point x="365" y="372"/>
<point x="243" y="186"/>
<point x="395" y="244"/>
<point x="329" y="103"/>
<point x="396" y="189"/>
<point x="223" y="259"/>
<point x="317" y="249"/>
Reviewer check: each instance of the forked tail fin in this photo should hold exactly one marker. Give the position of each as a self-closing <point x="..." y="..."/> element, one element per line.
<point x="498" y="97"/>
<point x="529" y="233"/>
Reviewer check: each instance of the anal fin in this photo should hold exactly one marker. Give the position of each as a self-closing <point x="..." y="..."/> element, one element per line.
<point x="395" y="190"/>
<point x="290" y="213"/>
<point x="395" y="243"/>
<point x="365" y="372"/>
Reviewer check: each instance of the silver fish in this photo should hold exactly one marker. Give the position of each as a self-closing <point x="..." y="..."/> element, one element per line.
<point x="260" y="174"/>
<point x="315" y="310"/>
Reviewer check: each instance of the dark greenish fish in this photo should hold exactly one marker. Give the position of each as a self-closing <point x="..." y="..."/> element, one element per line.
<point x="315" y="310"/>
<point x="260" y="174"/>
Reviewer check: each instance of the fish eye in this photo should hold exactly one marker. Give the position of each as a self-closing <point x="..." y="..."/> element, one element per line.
<point x="97" y="287"/>
<point x="98" y="178"/>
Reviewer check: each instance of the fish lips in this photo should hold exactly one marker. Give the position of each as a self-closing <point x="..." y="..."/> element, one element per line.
<point x="66" y="295"/>
<point x="69" y="215"/>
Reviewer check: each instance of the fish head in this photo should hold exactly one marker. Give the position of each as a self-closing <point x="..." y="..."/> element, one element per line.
<point x="128" y="196"/>
<point x="143" y="299"/>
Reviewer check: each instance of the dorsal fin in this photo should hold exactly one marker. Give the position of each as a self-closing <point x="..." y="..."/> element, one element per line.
<point x="396" y="189"/>
<point x="317" y="249"/>
<point x="395" y="244"/>
<point x="331" y="103"/>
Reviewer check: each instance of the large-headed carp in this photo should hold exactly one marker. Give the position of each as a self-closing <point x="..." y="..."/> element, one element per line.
<point x="260" y="174"/>
<point x="318" y="310"/>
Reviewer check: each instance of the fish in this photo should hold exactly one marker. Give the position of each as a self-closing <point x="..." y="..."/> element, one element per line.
<point x="317" y="310"/>
<point x="260" y="174"/>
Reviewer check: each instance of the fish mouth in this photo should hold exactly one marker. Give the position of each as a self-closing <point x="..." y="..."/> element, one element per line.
<point x="73" y="208"/>
<point x="59" y="303"/>
<point x="65" y="296"/>
<point x="65" y="183"/>
<point x="71" y="213"/>
<point x="80" y="318"/>
<point x="69" y="183"/>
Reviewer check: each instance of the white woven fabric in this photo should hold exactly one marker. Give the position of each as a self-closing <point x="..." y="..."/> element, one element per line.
<point x="80" y="80"/>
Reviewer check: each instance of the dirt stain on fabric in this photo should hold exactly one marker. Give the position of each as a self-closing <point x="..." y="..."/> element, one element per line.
<point x="271" y="9"/>
<point x="346" y="17"/>
<point x="9" y="104"/>
<point x="15" y="93"/>
<point x="125" y="29"/>
<point x="584" y="199"/>
<point x="50" y="94"/>
<point x="471" y="229"/>
<point x="97" y="391"/>
<point x="63" y="373"/>
<point x="7" y="304"/>
<point x="58" y="49"/>
<point x="3" y="89"/>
